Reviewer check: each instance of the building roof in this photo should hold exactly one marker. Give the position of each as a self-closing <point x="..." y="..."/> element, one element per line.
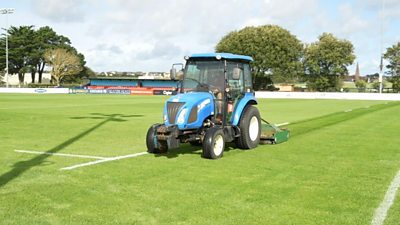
<point x="113" y="78"/>
<point x="223" y="55"/>
<point x="126" y="78"/>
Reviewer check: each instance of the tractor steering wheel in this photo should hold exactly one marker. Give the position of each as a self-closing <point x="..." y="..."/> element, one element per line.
<point x="198" y="82"/>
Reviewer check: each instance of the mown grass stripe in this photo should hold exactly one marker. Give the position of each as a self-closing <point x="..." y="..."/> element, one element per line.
<point x="310" y="125"/>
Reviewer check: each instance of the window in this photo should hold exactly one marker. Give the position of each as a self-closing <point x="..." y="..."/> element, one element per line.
<point x="235" y="85"/>
<point x="248" y="84"/>
<point x="205" y="74"/>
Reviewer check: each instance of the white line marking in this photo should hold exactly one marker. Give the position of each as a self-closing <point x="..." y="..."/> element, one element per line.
<point x="282" y="124"/>
<point x="349" y="110"/>
<point x="60" y="154"/>
<point x="104" y="160"/>
<point x="382" y="210"/>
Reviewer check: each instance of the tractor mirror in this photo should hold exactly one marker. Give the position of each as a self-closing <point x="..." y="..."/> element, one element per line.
<point x="172" y="73"/>
<point x="236" y="73"/>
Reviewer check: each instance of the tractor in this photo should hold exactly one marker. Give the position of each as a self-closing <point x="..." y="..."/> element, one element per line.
<point x="215" y="105"/>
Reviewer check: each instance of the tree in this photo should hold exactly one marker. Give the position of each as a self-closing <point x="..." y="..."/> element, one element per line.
<point x="1" y="78"/>
<point x="361" y="85"/>
<point x="27" y="47"/>
<point x="20" y="45"/>
<point x="81" y="78"/>
<point x="395" y="80"/>
<point x="64" y="63"/>
<point x="47" y="38"/>
<point x="392" y="55"/>
<point x="376" y="85"/>
<point x="276" y="52"/>
<point x="327" y="60"/>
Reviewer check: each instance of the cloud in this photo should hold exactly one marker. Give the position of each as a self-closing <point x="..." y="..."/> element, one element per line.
<point x="349" y="20"/>
<point x="111" y="48"/>
<point x="150" y="35"/>
<point x="389" y="9"/>
<point x="162" y="49"/>
<point x="59" y="11"/>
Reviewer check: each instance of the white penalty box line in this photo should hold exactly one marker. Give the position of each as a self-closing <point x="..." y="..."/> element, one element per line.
<point x="104" y="160"/>
<point x="60" y="154"/>
<point x="99" y="158"/>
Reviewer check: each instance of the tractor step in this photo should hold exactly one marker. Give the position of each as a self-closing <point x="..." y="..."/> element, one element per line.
<point x="271" y="134"/>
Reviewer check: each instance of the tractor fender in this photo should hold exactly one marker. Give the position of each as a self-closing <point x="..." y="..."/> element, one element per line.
<point x="248" y="99"/>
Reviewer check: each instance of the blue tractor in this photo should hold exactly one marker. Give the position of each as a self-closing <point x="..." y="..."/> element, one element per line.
<point x="215" y="105"/>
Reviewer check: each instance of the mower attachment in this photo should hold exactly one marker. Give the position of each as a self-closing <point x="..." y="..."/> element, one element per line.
<point x="271" y="134"/>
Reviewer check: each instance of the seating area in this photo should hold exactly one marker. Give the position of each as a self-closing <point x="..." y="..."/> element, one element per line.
<point x="158" y="83"/>
<point x="113" y="82"/>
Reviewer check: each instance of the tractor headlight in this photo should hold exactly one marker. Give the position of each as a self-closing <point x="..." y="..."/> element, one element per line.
<point x="182" y="115"/>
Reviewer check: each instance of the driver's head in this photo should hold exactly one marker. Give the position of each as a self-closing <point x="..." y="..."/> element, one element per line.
<point x="217" y="79"/>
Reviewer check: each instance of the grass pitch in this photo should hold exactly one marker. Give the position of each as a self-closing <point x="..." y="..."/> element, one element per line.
<point x="335" y="169"/>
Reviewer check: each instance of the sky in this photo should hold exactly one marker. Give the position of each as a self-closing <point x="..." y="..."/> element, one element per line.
<point x="151" y="35"/>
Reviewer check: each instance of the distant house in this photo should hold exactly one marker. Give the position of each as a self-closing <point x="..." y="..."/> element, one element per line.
<point x="372" y="77"/>
<point x="138" y="75"/>
<point x="155" y="75"/>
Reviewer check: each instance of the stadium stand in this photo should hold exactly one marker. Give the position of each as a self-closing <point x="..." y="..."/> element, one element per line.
<point x="109" y="82"/>
<point x="136" y="86"/>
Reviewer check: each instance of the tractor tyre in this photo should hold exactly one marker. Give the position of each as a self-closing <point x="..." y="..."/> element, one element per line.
<point x="151" y="142"/>
<point x="250" y="128"/>
<point x="213" y="143"/>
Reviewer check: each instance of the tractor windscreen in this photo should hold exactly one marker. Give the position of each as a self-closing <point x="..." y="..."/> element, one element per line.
<point x="203" y="76"/>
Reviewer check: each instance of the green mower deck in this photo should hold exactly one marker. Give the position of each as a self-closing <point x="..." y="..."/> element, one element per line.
<point x="271" y="134"/>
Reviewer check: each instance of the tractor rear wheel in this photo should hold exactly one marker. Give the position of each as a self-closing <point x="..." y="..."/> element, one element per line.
<point x="250" y="128"/>
<point x="151" y="141"/>
<point x="213" y="143"/>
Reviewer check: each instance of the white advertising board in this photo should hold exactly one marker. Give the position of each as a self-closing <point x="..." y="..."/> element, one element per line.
<point x="329" y="95"/>
<point x="35" y="90"/>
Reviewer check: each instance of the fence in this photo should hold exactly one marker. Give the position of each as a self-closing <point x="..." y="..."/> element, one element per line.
<point x="259" y="94"/>
<point x="329" y="95"/>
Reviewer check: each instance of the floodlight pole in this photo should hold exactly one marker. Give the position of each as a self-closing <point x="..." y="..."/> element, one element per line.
<point x="381" y="34"/>
<point x="381" y="76"/>
<point x="7" y="11"/>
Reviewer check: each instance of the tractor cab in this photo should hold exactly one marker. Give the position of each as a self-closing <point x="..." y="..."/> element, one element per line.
<point x="215" y="105"/>
<point x="226" y="76"/>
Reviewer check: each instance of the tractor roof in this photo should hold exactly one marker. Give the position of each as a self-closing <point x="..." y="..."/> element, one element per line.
<point x="222" y="55"/>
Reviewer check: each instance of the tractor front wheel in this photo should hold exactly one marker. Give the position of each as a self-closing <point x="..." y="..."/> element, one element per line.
<point x="213" y="143"/>
<point x="151" y="141"/>
<point x="250" y="128"/>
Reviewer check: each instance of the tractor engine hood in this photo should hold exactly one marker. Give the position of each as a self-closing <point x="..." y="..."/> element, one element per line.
<point x="188" y="110"/>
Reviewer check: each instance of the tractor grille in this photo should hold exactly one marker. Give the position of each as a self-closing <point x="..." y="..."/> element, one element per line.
<point x="193" y="115"/>
<point x="173" y="109"/>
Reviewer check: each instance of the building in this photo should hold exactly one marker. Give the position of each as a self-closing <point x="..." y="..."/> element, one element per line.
<point x="13" y="79"/>
<point x="357" y="74"/>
